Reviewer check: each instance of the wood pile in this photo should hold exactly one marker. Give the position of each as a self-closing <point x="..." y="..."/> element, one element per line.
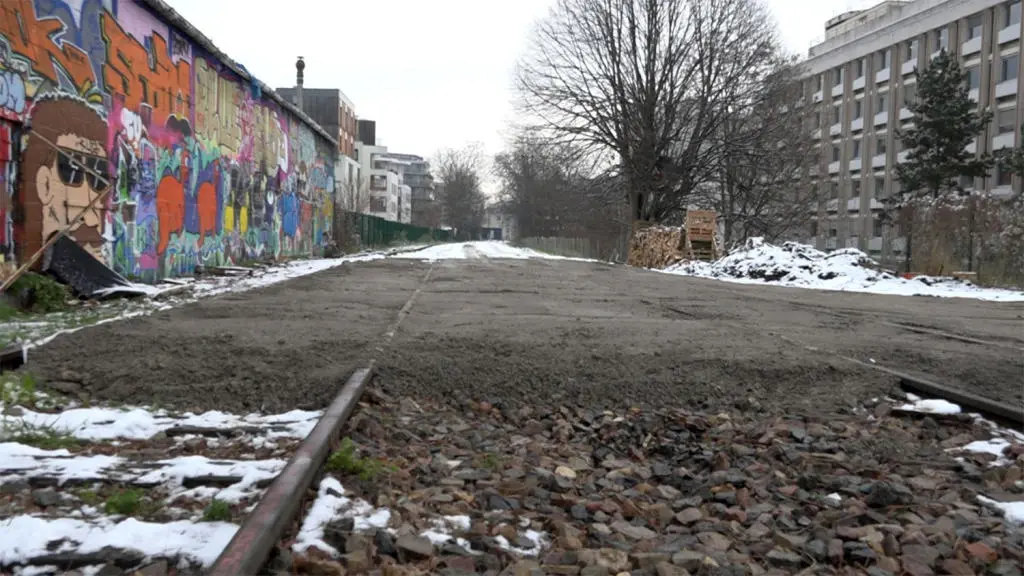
<point x="656" y="246"/>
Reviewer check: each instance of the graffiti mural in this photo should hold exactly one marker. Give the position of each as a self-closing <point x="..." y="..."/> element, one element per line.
<point x="193" y="165"/>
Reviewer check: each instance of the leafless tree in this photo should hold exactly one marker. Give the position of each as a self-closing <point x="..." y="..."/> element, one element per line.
<point x="355" y="196"/>
<point x="651" y="81"/>
<point x="462" y="199"/>
<point x="766" y="143"/>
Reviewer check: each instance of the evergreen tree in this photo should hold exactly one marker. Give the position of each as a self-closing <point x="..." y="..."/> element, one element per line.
<point x="945" y="121"/>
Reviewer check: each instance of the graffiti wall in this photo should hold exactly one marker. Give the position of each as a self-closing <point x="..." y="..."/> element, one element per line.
<point x="176" y="160"/>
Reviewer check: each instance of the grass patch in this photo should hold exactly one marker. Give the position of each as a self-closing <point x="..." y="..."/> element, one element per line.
<point x="43" y="438"/>
<point x="40" y="294"/>
<point x="89" y="497"/>
<point x="487" y="461"/>
<point x="217" y="511"/>
<point x="345" y="461"/>
<point x="129" y="502"/>
<point x="18" y="389"/>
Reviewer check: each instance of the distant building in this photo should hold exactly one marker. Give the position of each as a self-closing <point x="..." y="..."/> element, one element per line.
<point x="367" y="132"/>
<point x="858" y="82"/>
<point x="424" y="210"/>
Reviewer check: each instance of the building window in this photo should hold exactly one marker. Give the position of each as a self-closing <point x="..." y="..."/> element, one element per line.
<point x="883" y="59"/>
<point x="837" y="113"/>
<point x="973" y="77"/>
<point x="836" y="153"/>
<point x="1011" y="14"/>
<point x="974" y="27"/>
<point x="882" y="104"/>
<point x="1007" y="120"/>
<point x="879" y="187"/>
<point x="880" y="146"/>
<point x="854" y="188"/>
<point x="859" y="67"/>
<point x="942" y="39"/>
<point x="837" y="76"/>
<point x="1008" y="71"/>
<point x="876" y="228"/>
<point x="814" y="228"/>
<point x="1004" y="177"/>
<point x="911" y="50"/>
<point x="856" y="149"/>
<point x="858" y="109"/>
<point x="819" y="80"/>
<point x="909" y="94"/>
<point x="833" y="190"/>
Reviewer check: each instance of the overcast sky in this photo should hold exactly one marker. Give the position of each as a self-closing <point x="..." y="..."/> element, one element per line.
<point x="432" y="73"/>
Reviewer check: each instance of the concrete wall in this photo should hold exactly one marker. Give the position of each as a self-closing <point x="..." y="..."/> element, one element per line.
<point x="208" y="166"/>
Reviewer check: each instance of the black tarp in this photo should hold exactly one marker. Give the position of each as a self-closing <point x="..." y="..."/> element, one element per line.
<point x="71" y="264"/>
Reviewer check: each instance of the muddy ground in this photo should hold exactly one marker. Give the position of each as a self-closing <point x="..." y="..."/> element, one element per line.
<point x="512" y="331"/>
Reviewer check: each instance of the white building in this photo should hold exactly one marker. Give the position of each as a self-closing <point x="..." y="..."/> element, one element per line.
<point x="389" y="197"/>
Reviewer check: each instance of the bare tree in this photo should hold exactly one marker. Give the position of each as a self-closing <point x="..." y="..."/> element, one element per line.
<point x="766" y="143"/>
<point x="462" y="198"/>
<point x="355" y="196"/>
<point x="651" y="81"/>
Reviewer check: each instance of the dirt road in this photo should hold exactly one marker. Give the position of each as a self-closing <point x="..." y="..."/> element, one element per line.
<point x="511" y="331"/>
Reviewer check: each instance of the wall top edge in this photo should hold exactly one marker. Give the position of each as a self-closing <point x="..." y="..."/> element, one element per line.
<point x="162" y="9"/>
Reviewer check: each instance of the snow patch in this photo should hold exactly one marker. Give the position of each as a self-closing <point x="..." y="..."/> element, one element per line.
<point x="931" y="406"/>
<point x="332" y="504"/>
<point x="484" y="249"/>
<point x="850" y="270"/>
<point x="25" y="537"/>
<point x="1013" y="511"/>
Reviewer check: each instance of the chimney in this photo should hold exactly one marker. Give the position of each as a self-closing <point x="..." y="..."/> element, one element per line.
<point x="299" y="67"/>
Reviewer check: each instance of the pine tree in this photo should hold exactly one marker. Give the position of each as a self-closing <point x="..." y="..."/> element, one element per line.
<point x="945" y="121"/>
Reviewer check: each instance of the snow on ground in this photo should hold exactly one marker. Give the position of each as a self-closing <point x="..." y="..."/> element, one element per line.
<point x="801" y="266"/>
<point x="483" y="249"/>
<point x="25" y="537"/>
<point x="1003" y="438"/>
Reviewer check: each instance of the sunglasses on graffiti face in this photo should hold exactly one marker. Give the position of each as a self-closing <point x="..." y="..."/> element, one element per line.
<point x="72" y="165"/>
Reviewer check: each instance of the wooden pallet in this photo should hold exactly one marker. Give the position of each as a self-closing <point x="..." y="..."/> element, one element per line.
<point x="701" y="243"/>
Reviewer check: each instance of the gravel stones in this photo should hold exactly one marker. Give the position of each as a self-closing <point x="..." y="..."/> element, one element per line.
<point x="676" y="492"/>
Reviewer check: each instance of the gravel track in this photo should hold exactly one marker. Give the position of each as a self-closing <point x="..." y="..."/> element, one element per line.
<point x="527" y="331"/>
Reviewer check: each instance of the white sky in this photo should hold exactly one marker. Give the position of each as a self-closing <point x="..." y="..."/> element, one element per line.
<point x="432" y="73"/>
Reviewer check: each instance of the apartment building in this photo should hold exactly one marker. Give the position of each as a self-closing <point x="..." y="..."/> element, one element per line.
<point x="858" y="82"/>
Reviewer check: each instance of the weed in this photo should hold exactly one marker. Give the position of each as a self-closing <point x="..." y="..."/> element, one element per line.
<point x="89" y="497"/>
<point x="124" y="502"/>
<point x="345" y="460"/>
<point x="488" y="461"/>
<point x="43" y="438"/>
<point x="217" y="511"/>
<point x="40" y="294"/>
<point x="18" y="390"/>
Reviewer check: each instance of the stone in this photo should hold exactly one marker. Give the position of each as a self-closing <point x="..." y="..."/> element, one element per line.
<point x="889" y="564"/>
<point x="109" y="570"/>
<point x="715" y="541"/>
<point x="982" y="552"/>
<point x="565" y="472"/>
<point x="688" y="559"/>
<point x="735" y="514"/>
<point x="635" y="532"/>
<point x="915" y="567"/>
<point x="613" y="560"/>
<point x="13" y="486"/>
<point x="885" y="494"/>
<point x="358" y="561"/>
<point x="862" y="555"/>
<point x="789" y="541"/>
<point x="689" y="516"/>
<point x="817" y="549"/>
<point x="666" y="492"/>
<point x="385" y="544"/>
<point x="669" y="569"/>
<point x="410" y="545"/>
<point x="158" y="568"/>
<point x="835" y="551"/>
<point x="45" y="497"/>
<point x="956" y="567"/>
<point x="649" y="560"/>
<point x="784" y="558"/>
<point x="924" y="554"/>
<point x="720" y="462"/>
<point x="594" y="570"/>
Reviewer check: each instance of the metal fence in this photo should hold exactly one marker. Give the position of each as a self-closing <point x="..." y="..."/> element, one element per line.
<point x="353" y="228"/>
<point x="575" y="247"/>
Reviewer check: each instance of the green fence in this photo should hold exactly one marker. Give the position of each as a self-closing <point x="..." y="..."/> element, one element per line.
<point x="365" y="230"/>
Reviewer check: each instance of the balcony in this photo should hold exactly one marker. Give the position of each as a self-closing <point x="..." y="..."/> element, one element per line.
<point x="882" y="76"/>
<point x="875" y="244"/>
<point x="973" y="94"/>
<point x="857" y="124"/>
<point x="816" y="135"/>
<point x="817" y="97"/>
<point x="832" y="205"/>
<point x="1002" y="191"/>
<point x="836" y="129"/>
<point x="902" y="156"/>
<point x="833" y="167"/>
<point x="878" y="161"/>
<point x="854" y="165"/>
<point x="882" y="118"/>
<point x="858" y="83"/>
<point x="1006" y="140"/>
<point x="837" y="90"/>
<point x="1009" y="34"/>
<point x="853" y="204"/>
<point x="908" y="67"/>
<point x="1006" y="88"/>
<point x="972" y="46"/>
<point x="905" y="114"/>
<point x="972" y="147"/>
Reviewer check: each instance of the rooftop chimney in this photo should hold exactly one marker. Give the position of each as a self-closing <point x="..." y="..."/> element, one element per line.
<point x="299" y="67"/>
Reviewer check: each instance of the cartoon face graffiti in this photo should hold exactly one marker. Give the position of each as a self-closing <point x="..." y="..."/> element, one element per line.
<point x="64" y="183"/>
